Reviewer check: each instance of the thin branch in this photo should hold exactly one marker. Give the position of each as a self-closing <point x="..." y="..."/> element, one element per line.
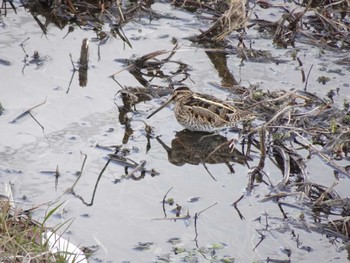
<point x="307" y="78"/>
<point x="28" y="112"/>
<point x="81" y="171"/>
<point x="164" y="199"/>
<point x="195" y="222"/>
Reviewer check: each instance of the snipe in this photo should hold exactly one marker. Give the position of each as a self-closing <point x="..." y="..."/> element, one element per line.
<point x="202" y="112"/>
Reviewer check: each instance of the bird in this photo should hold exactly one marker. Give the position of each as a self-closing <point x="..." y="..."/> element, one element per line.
<point x="203" y="112"/>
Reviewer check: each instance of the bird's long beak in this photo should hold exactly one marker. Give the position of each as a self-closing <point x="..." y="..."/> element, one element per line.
<point x="161" y="107"/>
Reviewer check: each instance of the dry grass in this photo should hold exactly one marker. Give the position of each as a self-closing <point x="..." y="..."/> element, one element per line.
<point x="21" y="238"/>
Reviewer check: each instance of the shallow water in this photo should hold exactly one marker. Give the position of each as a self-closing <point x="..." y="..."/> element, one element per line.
<point x="127" y="212"/>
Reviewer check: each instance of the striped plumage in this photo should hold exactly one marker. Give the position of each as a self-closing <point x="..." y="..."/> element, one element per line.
<point x="202" y="112"/>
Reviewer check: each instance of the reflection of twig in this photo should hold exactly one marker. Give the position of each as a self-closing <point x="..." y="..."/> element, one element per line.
<point x="95" y="188"/>
<point x="41" y="25"/>
<point x="98" y="180"/>
<point x="22" y="46"/>
<point x="71" y="60"/>
<point x="284" y="213"/>
<point x="206" y="168"/>
<point x="57" y="174"/>
<point x="81" y="170"/>
<point x="235" y="206"/>
<point x="195" y="222"/>
<point x="11" y="4"/>
<point x="31" y="115"/>
<point x="163" y="202"/>
<point x="262" y="237"/>
<point x="119" y="31"/>
<point x="28" y="112"/>
<point x="74" y="70"/>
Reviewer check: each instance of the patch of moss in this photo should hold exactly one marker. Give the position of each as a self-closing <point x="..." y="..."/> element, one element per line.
<point x="323" y="79"/>
<point x="346" y="119"/>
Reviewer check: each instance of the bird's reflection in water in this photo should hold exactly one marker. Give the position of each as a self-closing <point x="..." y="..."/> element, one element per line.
<point x="201" y="148"/>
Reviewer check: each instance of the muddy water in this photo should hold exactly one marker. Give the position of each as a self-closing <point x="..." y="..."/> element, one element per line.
<point x="126" y="212"/>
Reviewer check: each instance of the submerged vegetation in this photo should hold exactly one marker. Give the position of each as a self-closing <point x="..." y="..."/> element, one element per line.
<point x="292" y="127"/>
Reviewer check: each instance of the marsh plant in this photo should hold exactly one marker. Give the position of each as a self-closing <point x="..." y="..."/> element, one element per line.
<point x="23" y="239"/>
